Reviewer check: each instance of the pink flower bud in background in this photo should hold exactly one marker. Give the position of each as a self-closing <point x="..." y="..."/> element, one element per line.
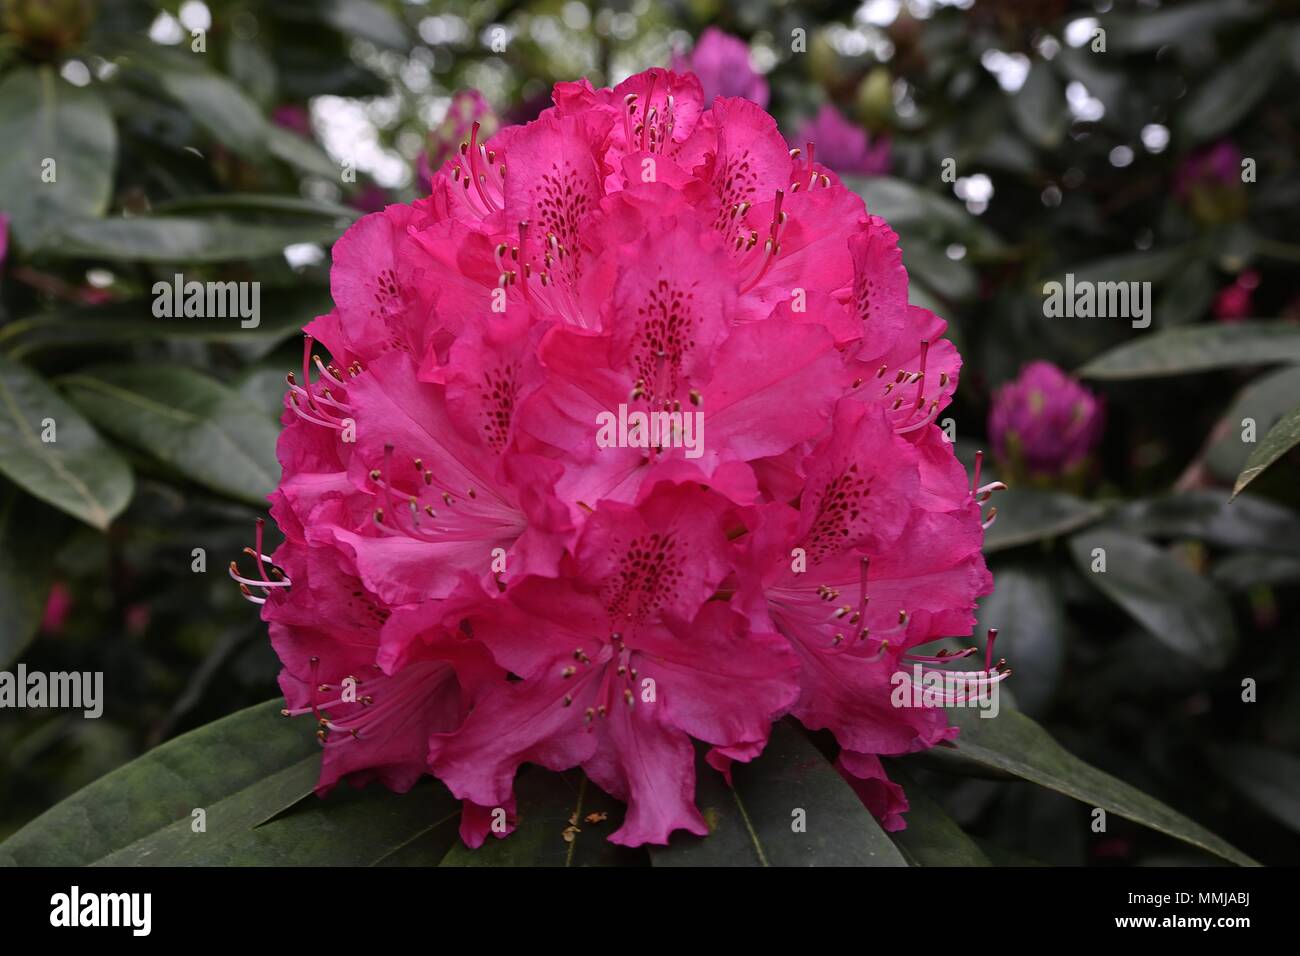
<point x="1044" y="424"/>
<point x="723" y="64"/>
<point x="843" y="146"/>
<point x="1216" y="165"/>
<point x="57" y="607"/>
<point x="1208" y="183"/>
<point x="1236" y="301"/>
<point x="467" y="108"/>
<point x="294" y="117"/>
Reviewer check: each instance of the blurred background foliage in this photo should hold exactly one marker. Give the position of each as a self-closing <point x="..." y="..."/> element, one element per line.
<point x="219" y="140"/>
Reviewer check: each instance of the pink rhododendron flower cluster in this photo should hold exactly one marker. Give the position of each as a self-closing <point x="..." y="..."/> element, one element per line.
<point x="486" y="560"/>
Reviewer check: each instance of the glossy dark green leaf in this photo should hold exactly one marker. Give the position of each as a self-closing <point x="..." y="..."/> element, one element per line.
<point x="1152" y="266"/>
<point x="1246" y="570"/>
<point x="1151" y="29"/>
<point x="1029" y="615"/>
<point x="1264" y="403"/>
<point x="928" y="215"/>
<point x="301" y="153"/>
<point x="1214" y="517"/>
<point x="1014" y="743"/>
<point x="179" y="844"/>
<point x="952" y="279"/>
<point x="215" y="102"/>
<point x="368" y="20"/>
<point x="753" y="824"/>
<point x="1039" y="107"/>
<point x="165" y="785"/>
<point x="1232" y="90"/>
<point x="270" y="203"/>
<point x="283" y="313"/>
<point x="43" y="117"/>
<point x="76" y="472"/>
<point x="205" y="430"/>
<point x="1270" y="778"/>
<point x="368" y="827"/>
<point x="1281" y="438"/>
<point x="1026" y="515"/>
<point x="182" y="238"/>
<point x="931" y="837"/>
<point x="1176" y="605"/>
<point x="1199" y="348"/>
<point x="28" y="534"/>
<point x="553" y="827"/>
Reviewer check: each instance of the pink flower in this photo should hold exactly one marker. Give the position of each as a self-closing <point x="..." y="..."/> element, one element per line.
<point x="1217" y="165"/>
<point x="842" y="146"/>
<point x="1044" y="423"/>
<point x="1237" y="301"/>
<point x="294" y="117"/>
<point x="467" y="108"/>
<point x="723" y="64"/>
<point x="4" y="237"/>
<point x="580" y="407"/>
<point x="58" y="605"/>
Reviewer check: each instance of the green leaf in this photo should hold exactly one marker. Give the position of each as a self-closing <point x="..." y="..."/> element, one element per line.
<point x="1199" y="348"/>
<point x="226" y="819"/>
<point x="1029" y="614"/>
<point x="1266" y="402"/>
<point x="1175" y="604"/>
<point x="182" y="238"/>
<point x="163" y="786"/>
<point x="1214" y="517"/>
<point x="27" y="537"/>
<point x="551" y="807"/>
<point x="258" y="203"/>
<point x="932" y="838"/>
<point x="350" y="827"/>
<point x="1281" y="438"/>
<point x="216" y="104"/>
<point x="950" y="278"/>
<point x="1269" y="778"/>
<point x="1039" y="107"/>
<point x="283" y="313"/>
<point x="291" y="148"/>
<point x="367" y="20"/>
<point x="77" y="472"/>
<point x="751" y="824"/>
<point x="205" y="430"/>
<point x="1232" y="90"/>
<point x="1013" y="743"/>
<point x="43" y="117"/>
<point x="1153" y="266"/>
<point x="1150" y="30"/>
<point x="1026" y="515"/>
<point x="1248" y="570"/>
<point x="925" y="214"/>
